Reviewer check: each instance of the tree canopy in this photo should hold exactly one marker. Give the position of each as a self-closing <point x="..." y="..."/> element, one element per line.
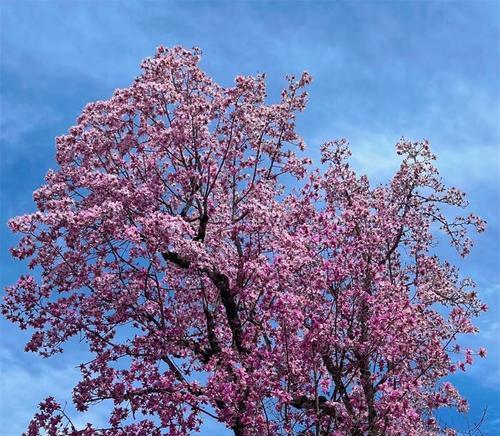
<point x="214" y="273"/>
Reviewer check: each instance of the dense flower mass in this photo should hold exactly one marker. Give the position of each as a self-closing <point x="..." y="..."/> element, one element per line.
<point x="206" y="289"/>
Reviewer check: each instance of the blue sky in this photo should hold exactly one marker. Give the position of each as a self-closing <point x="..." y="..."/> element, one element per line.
<point x="381" y="70"/>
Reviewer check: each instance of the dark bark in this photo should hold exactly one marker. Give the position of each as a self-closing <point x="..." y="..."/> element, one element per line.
<point x="221" y="282"/>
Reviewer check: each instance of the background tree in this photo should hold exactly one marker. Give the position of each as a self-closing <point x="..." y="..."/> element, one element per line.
<point x="167" y="241"/>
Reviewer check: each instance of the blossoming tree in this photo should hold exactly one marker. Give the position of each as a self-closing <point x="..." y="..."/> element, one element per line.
<point x="168" y="242"/>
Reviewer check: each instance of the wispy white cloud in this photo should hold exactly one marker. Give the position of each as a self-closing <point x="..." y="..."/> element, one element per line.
<point x="19" y="119"/>
<point x="27" y="380"/>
